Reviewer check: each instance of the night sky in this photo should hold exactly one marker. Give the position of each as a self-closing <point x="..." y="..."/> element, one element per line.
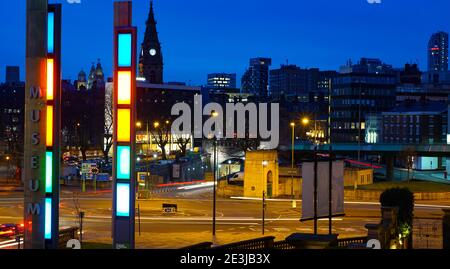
<point x="205" y="36"/>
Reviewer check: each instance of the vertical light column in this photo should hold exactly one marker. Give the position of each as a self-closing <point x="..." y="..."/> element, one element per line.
<point x="53" y="122"/>
<point x="124" y="133"/>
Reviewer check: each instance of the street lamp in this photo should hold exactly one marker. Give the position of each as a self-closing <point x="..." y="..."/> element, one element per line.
<point x="294" y="205"/>
<point x="214" y="114"/>
<point x="264" y="164"/>
<point x="138" y="124"/>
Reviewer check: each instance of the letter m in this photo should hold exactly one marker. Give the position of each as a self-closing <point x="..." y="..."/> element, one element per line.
<point x="33" y="209"/>
<point x="35" y="92"/>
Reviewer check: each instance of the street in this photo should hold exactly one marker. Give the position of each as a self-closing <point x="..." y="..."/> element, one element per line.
<point x="237" y="219"/>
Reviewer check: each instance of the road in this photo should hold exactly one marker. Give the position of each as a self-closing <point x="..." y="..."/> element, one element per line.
<point x="236" y="219"/>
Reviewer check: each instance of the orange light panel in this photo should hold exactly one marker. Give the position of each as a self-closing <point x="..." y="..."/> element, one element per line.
<point x="49" y="128"/>
<point x="124" y="88"/>
<point x="123" y="125"/>
<point x="50" y="73"/>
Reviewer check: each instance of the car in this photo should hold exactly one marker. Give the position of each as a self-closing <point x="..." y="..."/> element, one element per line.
<point x="10" y="230"/>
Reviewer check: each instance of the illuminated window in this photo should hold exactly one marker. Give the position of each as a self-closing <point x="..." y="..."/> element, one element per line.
<point x="123" y="125"/>
<point x="124" y="88"/>
<point x="123" y="162"/>
<point x="49" y="127"/>
<point x="50" y="71"/>
<point x="123" y="200"/>
<point x="48" y="172"/>
<point x="124" y="50"/>
<point x="48" y="218"/>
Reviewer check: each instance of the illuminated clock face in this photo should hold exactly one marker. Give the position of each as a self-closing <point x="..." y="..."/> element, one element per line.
<point x="152" y="52"/>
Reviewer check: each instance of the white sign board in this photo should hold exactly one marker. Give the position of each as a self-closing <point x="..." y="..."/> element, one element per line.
<point x="322" y="189"/>
<point x="176" y="171"/>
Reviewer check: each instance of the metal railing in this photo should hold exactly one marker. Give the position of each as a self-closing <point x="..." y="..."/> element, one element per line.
<point x="282" y="245"/>
<point x="253" y="244"/>
<point x="67" y="234"/>
<point x="345" y="242"/>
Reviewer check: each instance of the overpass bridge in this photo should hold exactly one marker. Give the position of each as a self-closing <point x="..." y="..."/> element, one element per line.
<point x="389" y="152"/>
<point x="430" y="150"/>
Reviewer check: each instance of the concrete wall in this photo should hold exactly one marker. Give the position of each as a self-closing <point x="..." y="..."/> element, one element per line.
<point x="256" y="175"/>
<point x="225" y="190"/>
<point x="285" y="186"/>
<point x="357" y="177"/>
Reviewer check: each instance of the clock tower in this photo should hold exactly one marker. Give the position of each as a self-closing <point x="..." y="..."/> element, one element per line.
<point x="151" y="59"/>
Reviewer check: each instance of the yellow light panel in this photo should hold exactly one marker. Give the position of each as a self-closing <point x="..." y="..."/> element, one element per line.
<point x="49" y="128"/>
<point x="50" y="73"/>
<point x="124" y="88"/>
<point x="123" y="125"/>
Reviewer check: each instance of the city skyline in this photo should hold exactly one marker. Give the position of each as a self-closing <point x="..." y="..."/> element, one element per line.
<point x="284" y="37"/>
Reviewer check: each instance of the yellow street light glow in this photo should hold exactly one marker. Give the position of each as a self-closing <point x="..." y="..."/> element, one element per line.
<point x="50" y="71"/>
<point x="123" y="125"/>
<point x="215" y="114"/>
<point x="156" y="124"/>
<point x="7" y="158"/>
<point x="138" y="124"/>
<point x="305" y="121"/>
<point x="124" y="88"/>
<point x="292" y="124"/>
<point x="49" y="127"/>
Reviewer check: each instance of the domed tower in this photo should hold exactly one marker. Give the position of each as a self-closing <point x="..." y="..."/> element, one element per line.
<point x="91" y="78"/>
<point x="81" y="82"/>
<point x="151" y="59"/>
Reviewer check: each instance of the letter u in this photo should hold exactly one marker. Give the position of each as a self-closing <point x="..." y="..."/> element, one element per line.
<point x="33" y="185"/>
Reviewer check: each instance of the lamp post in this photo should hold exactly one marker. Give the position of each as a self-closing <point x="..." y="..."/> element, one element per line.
<point x="294" y="204"/>
<point x="264" y="164"/>
<point x="214" y="114"/>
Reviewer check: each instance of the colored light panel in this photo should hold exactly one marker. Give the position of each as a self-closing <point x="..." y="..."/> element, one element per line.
<point x="123" y="162"/>
<point x="124" y="50"/>
<point x="123" y="200"/>
<point x="51" y="32"/>
<point x="49" y="172"/>
<point x="50" y="71"/>
<point x="49" y="127"/>
<point x="123" y="125"/>
<point x="124" y="88"/>
<point x="48" y="218"/>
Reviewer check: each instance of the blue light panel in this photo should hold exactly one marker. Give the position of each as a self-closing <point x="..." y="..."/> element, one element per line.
<point x="124" y="50"/>
<point x="123" y="162"/>
<point x="48" y="218"/>
<point x="123" y="200"/>
<point x="50" y="32"/>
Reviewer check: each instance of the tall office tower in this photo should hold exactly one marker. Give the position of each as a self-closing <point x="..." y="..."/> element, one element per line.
<point x="256" y="79"/>
<point x="438" y="52"/>
<point x="151" y="59"/>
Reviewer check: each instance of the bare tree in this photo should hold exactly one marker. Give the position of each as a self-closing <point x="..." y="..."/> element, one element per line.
<point x="182" y="143"/>
<point x="161" y="133"/>
<point x="108" y="126"/>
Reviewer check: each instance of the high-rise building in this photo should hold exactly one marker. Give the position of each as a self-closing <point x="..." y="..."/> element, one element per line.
<point x="12" y="75"/>
<point x="438" y="52"/>
<point x="293" y="80"/>
<point x="151" y="59"/>
<point x="256" y="79"/>
<point x="221" y="80"/>
<point x="369" y="88"/>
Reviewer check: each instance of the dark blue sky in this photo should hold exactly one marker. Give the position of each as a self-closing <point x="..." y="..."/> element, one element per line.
<point x="203" y="36"/>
